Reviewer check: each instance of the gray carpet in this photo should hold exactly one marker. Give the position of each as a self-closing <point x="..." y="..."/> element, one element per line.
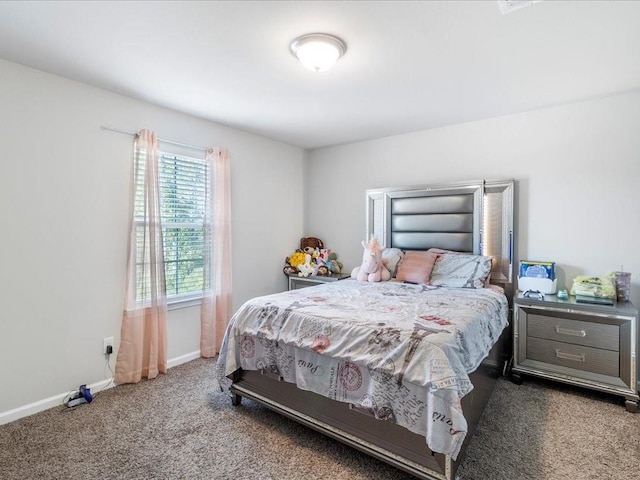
<point x="180" y="426"/>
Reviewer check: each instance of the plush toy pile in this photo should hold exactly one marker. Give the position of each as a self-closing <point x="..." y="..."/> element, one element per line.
<point x="312" y="259"/>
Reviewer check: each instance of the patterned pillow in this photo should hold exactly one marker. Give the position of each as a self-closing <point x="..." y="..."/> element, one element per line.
<point x="463" y="271"/>
<point x="392" y="257"/>
<point x="416" y="267"/>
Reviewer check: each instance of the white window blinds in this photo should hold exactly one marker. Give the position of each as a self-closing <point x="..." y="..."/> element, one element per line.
<point x="183" y="183"/>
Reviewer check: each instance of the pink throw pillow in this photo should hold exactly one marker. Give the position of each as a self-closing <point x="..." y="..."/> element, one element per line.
<point x="416" y="267"/>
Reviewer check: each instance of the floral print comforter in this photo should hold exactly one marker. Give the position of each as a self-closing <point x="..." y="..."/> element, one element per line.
<point x="400" y="350"/>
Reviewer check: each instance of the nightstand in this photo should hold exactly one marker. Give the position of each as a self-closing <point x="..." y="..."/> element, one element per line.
<point x="296" y="282"/>
<point x="593" y="346"/>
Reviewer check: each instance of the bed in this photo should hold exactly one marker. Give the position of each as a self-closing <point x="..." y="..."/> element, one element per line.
<point x="401" y="371"/>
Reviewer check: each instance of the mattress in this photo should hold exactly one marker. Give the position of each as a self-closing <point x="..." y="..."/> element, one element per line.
<point x="401" y="351"/>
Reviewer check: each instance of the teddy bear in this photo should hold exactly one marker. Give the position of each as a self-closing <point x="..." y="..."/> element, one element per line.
<point x="322" y="262"/>
<point x="310" y="244"/>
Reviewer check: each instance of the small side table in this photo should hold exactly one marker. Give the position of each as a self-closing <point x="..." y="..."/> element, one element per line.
<point x="593" y="346"/>
<point x="296" y="282"/>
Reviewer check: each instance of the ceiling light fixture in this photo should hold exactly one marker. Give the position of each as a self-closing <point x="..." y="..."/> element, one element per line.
<point x="318" y="51"/>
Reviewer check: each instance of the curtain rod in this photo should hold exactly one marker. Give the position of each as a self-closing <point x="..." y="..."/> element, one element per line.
<point x="133" y="134"/>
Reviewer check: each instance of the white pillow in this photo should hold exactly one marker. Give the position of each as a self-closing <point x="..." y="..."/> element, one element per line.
<point x="391" y="258"/>
<point x="462" y="271"/>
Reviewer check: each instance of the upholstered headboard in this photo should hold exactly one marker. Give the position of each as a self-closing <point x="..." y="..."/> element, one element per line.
<point x="474" y="217"/>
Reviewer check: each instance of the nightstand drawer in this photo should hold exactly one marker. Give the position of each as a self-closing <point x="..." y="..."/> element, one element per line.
<point x="578" y="332"/>
<point x="589" y="359"/>
<point x="296" y="282"/>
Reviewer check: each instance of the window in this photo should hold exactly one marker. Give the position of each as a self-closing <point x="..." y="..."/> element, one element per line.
<point x="183" y="192"/>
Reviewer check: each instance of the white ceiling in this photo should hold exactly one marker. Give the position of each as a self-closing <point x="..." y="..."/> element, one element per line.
<point x="409" y="65"/>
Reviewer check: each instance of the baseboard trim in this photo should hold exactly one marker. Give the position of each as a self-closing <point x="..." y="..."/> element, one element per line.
<point x="47" y="403"/>
<point x="187" y="357"/>
<point x="57" y="400"/>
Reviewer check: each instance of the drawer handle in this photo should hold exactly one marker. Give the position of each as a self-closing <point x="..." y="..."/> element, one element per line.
<point x="363" y="411"/>
<point x="570" y="356"/>
<point x="273" y="375"/>
<point x="568" y="331"/>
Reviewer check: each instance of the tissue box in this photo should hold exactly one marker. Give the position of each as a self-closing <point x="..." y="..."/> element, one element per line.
<point x="544" y="285"/>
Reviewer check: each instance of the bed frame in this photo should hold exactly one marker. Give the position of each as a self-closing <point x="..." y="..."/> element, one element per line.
<point x="474" y="217"/>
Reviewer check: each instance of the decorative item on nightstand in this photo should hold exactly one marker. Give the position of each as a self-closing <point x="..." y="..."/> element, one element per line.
<point x="312" y="259"/>
<point x="623" y="285"/>
<point x="598" y="290"/>
<point x="537" y="276"/>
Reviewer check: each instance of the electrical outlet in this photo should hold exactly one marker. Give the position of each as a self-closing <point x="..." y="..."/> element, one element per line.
<point x="106" y="342"/>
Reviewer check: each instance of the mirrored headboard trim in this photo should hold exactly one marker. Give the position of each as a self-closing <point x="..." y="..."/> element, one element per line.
<point x="472" y="217"/>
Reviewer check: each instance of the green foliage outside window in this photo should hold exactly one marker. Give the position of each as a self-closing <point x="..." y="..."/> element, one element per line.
<point x="183" y="184"/>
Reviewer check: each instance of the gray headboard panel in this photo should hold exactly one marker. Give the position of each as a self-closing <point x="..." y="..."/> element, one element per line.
<point x="432" y="203"/>
<point x="474" y="217"/>
<point x="460" y="242"/>
<point x="431" y="220"/>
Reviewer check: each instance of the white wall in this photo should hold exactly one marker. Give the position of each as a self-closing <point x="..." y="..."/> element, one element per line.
<point x="64" y="196"/>
<point x="64" y="199"/>
<point x="577" y="169"/>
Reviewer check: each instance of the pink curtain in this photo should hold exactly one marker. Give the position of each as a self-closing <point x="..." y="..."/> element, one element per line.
<point x="216" y="299"/>
<point x="143" y="339"/>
